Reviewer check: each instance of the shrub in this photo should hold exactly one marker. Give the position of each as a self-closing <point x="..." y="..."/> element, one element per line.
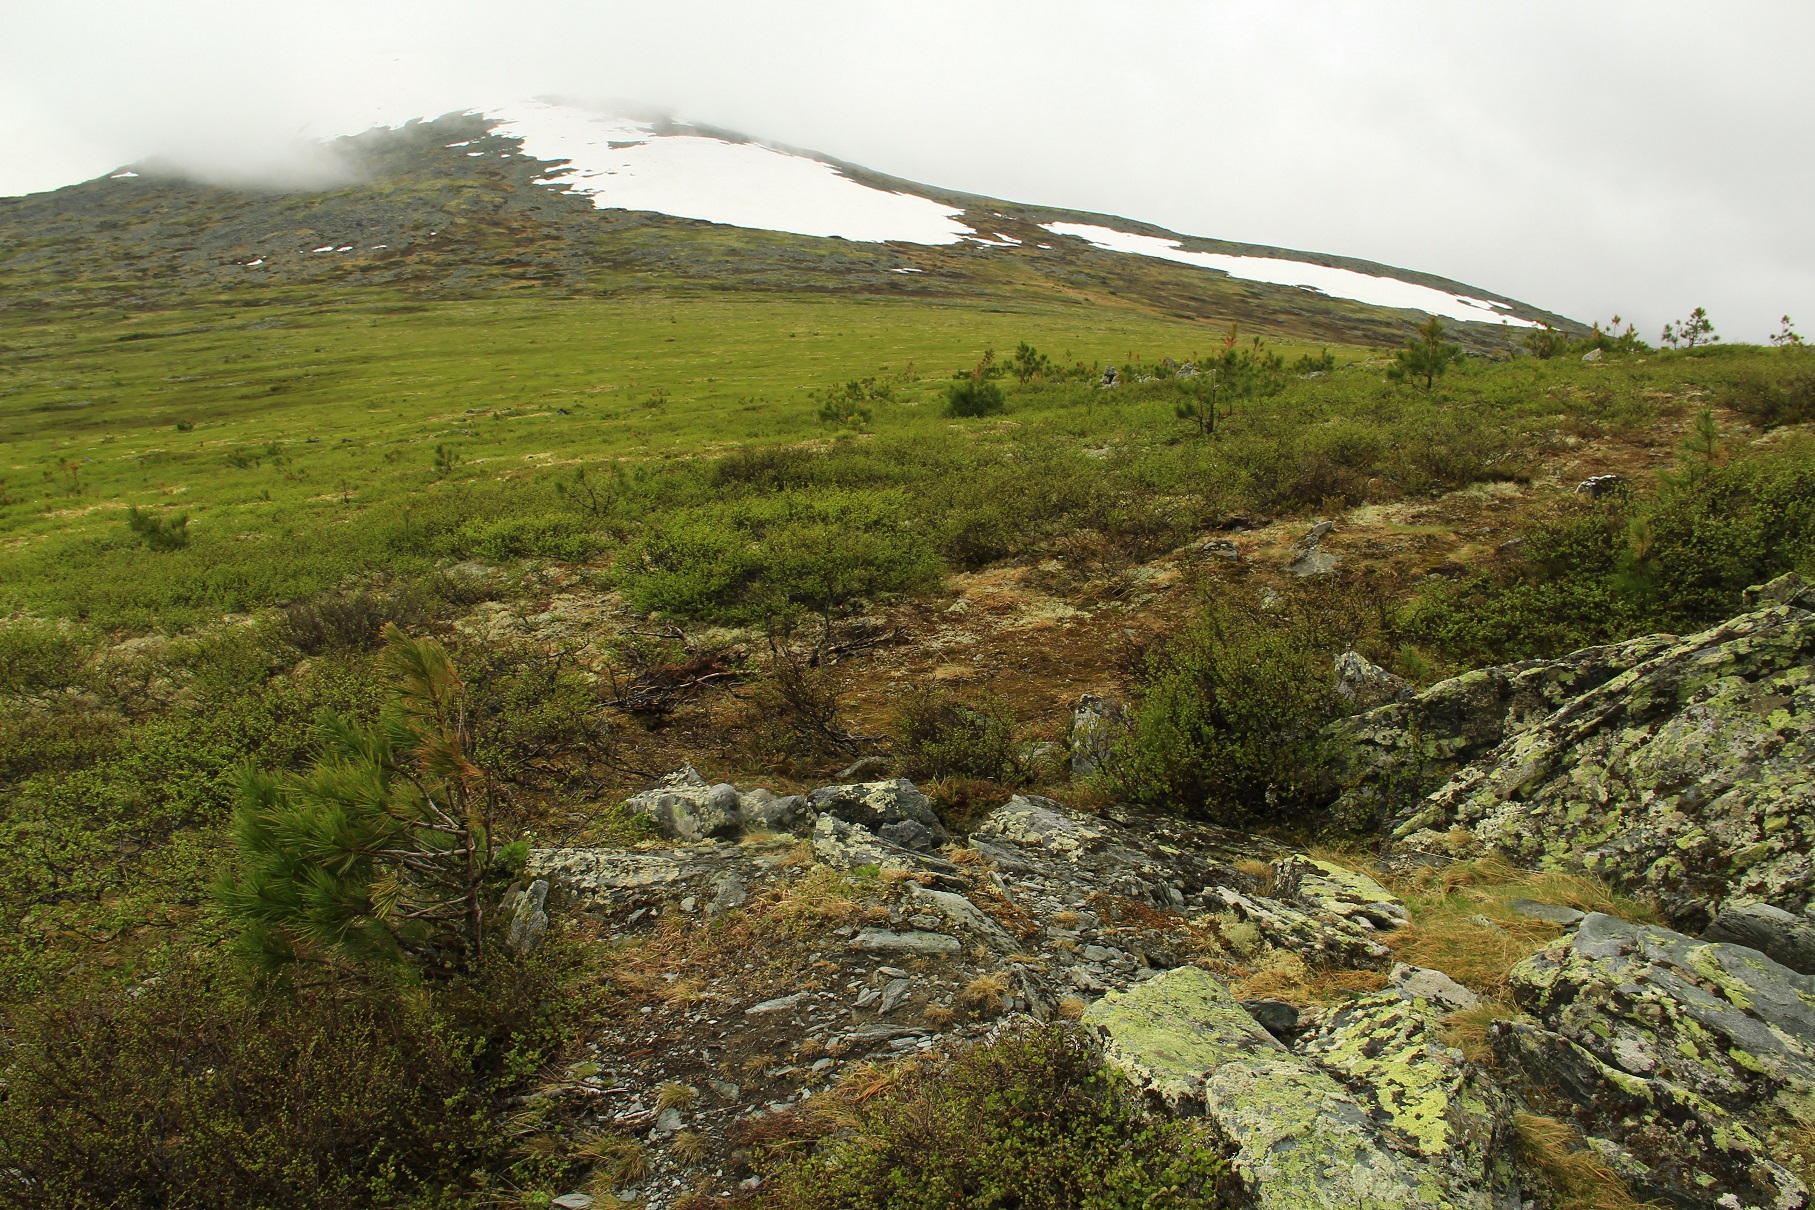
<point x="973" y="396"/>
<point x="1770" y="402"/>
<point x="938" y="737"/>
<point x="1227" y="724"/>
<point x="158" y="533"/>
<point x="35" y="657"/>
<point x="194" y="1091"/>
<point x="545" y="536"/>
<point x="377" y="852"/>
<point x="1033" y="1119"/>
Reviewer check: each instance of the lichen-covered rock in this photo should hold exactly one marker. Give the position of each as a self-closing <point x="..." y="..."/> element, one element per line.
<point x="1365" y="685"/>
<point x="1771" y="931"/>
<point x="684" y="807"/>
<point x="1387" y="1049"/>
<point x="1298" y="1139"/>
<point x="769" y="811"/>
<point x="1669" y="1144"/>
<point x="1694" y="1056"/>
<point x="528" y="918"/>
<point x="603" y="873"/>
<point x="896" y="811"/>
<point x="849" y="846"/>
<point x="1321" y="939"/>
<point x="1327" y="887"/>
<point x="1391" y="755"/>
<point x="1689" y="778"/>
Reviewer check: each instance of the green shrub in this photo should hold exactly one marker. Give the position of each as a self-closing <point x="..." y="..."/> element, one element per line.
<point x="1229" y="710"/>
<point x="937" y="736"/>
<point x="192" y="1091"/>
<point x="542" y="536"/>
<point x="973" y="396"/>
<point x="1676" y="559"/>
<point x="776" y="557"/>
<point x="35" y="658"/>
<point x="1770" y="401"/>
<point x="158" y="533"/>
<point x="1033" y="1119"/>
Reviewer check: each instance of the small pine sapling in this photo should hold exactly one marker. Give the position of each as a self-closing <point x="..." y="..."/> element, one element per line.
<point x="1425" y="356"/>
<point x="1787" y="337"/>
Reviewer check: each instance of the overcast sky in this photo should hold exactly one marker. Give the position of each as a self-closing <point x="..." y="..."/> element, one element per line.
<point x="1644" y="158"/>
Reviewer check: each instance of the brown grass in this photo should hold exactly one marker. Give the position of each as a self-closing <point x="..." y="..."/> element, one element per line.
<point x="1578" y="1178"/>
<point x="1071" y="1007"/>
<point x="1285" y="976"/>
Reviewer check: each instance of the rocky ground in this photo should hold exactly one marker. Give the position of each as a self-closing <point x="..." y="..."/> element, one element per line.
<point x="768" y="946"/>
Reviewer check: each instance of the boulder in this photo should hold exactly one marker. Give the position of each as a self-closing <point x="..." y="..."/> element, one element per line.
<point x="1694" y="1060"/>
<point x="1769" y="930"/>
<point x="1297" y="1137"/>
<point x="1687" y="778"/>
<point x="684" y="807"/>
<point x="1329" y="888"/>
<point x="1429" y="1100"/>
<point x="529" y="918"/>
<point x="1365" y="684"/>
<point x="771" y="812"/>
<point x="849" y="846"/>
<point x="882" y="807"/>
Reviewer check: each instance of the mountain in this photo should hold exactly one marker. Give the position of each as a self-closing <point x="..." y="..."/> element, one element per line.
<point x="553" y="198"/>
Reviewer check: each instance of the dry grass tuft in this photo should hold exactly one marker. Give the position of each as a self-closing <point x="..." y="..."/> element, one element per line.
<point x="1066" y="919"/>
<point x="672" y="1094"/>
<point x="1579" y="1178"/>
<point x="1468" y="1030"/>
<point x="938" y="1015"/>
<point x="1072" y="1008"/>
<point x="690" y="1147"/>
<point x="617" y="1161"/>
<point x="1285" y="976"/>
<point x="1260" y="871"/>
<point x="985" y="993"/>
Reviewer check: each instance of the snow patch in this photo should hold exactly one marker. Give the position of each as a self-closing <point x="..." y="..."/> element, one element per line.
<point x="123" y="176"/>
<point x="1324" y="279"/>
<point x="626" y="165"/>
<point x="253" y="264"/>
<point x="323" y="248"/>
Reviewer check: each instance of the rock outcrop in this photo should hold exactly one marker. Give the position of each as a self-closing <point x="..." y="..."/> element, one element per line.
<point x="1681" y="770"/>
<point x="1690" y="1065"/>
<point x="1372" y="1111"/>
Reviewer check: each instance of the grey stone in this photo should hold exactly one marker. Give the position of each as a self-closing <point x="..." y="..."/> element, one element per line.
<point x="1313" y="561"/>
<point x="849" y="846"/>
<point x="1695" y="757"/>
<point x="1691" y="1055"/>
<point x="1337" y="891"/>
<point x="875" y="804"/>
<point x="685" y="808"/>
<point x="908" y="834"/>
<point x="1770" y="930"/>
<point x="1596" y="486"/>
<point x="1275" y="1016"/>
<point x="604" y="875"/>
<point x="964" y="914"/>
<point x="893" y="994"/>
<point x="1365" y="684"/>
<point x="1556" y="913"/>
<point x="863" y="767"/>
<point x="1433" y="986"/>
<point x="883" y="941"/>
<point x="728" y="891"/>
<point x="1297" y="1137"/>
<point x="773" y="812"/>
<point x="529" y="920"/>
<point x="1219" y="548"/>
<point x="573" y="1201"/>
<point x="670" y="1121"/>
<point x="781" y="1004"/>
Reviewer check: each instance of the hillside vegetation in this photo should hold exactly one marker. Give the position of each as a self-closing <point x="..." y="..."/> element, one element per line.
<point x="744" y="532"/>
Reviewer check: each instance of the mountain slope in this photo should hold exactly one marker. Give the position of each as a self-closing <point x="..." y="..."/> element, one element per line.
<point x="553" y="200"/>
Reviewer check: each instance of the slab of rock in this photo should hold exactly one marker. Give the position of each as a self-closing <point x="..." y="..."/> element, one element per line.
<point x="1297" y="1137"/>
<point x="529" y="919"/>
<point x="1556" y="913"/>
<point x="1688" y="778"/>
<point x="604" y="874"/>
<point x="849" y="846"/>
<point x="773" y="812"/>
<point x="1434" y="987"/>
<point x="883" y="941"/>
<point x="1694" y="1056"/>
<point x="965" y="915"/>
<point x="1770" y="930"/>
<point x="1327" y="887"/>
<point x="1321" y="939"/>
<point x="1365" y="684"/>
<point x="1275" y="1016"/>
<point x="1388" y="1050"/>
<point x="780" y="1004"/>
<point x="886" y="808"/>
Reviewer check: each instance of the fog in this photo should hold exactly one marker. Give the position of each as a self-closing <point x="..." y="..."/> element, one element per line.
<point x="1640" y="158"/>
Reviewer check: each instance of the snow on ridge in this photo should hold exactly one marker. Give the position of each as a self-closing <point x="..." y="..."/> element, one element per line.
<point x="625" y="165"/>
<point x="1325" y="279"/>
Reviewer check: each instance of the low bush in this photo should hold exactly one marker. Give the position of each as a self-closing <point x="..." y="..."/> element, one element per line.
<point x="937" y="736"/>
<point x="1770" y="401"/>
<point x="1033" y="1119"/>
<point x="192" y="1091"/>
<point x="1227" y="722"/>
<point x="560" y="536"/>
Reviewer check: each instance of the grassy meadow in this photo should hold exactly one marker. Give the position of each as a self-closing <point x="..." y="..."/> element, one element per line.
<point x="208" y="514"/>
